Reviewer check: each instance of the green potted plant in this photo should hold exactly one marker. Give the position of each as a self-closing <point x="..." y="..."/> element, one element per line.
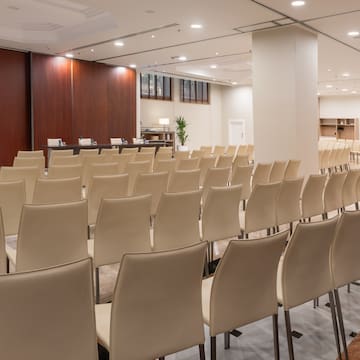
<point x="181" y="133"/>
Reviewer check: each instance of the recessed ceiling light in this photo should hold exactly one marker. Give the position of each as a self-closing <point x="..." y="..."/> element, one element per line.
<point x="354" y="92"/>
<point x="196" y="26"/>
<point x="153" y="36"/>
<point x="214" y="79"/>
<point x="329" y="70"/>
<point x="297" y="3"/>
<point x="353" y="33"/>
<point x="234" y="83"/>
<point x="344" y="90"/>
<point x="182" y="58"/>
<point x="69" y="55"/>
<point x="120" y="69"/>
<point x="318" y="94"/>
<point x="213" y="66"/>
<point x="92" y="50"/>
<point x="346" y="74"/>
<point x="216" y="53"/>
<point x="133" y="66"/>
<point x="118" y="43"/>
<point x="329" y="86"/>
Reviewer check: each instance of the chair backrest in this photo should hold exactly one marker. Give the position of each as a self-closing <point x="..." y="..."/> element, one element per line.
<point x="122" y="226"/>
<point x="220" y="216"/>
<point x="144" y="156"/>
<point x="277" y="171"/>
<point x="65" y="171"/>
<point x="345" y="249"/>
<point x="207" y="150"/>
<point x="164" y="150"/>
<point x="333" y="192"/>
<point x="219" y="150"/>
<point x="28" y="174"/>
<point x="184" y="180"/>
<point x="133" y="169"/>
<point x="179" y="155"/>
<point x="288" y="202"/>
<point x="30" y="161"/>
<point x="231" y="150"/>
<point x="242" y="150"/>
<point x="65" y="152"/>
<point x="304" y="270"/>
<point x="57" y="191"/>
<point x="177" y="221"/>
<point x="215" y="177"/>
<point x="98" y="169"/>
<point x="154" y="184"/>
<point x="62" y="302"/>
<point x="109" y="152"/>
<point x="187" y="164"/>
<point x="148" y="149"/>
<point x="12" y="199"/>
<point x="241" y="160"/>
<point x="87" y="152"/>
<point x="312" y="196"/>
<point x="122" y="160"/>
<point x="245" y="279"/>
<point x="161" y="287"/>
<point x="349" y="190"/>
<point x="31" y="153"/>
<point x="261" y="207"/>
<point x="129" y="150"/>
<point x="242" y="176"/>
<point x="197" y="154"/>
<point x="261" y="174"/>
<point x="50" y="235"/>
<point x="105" y="187"/>
<point x="2" y="245"/>
<point x="162" y="156"/>
<point x="206" y="162"/>
<point x="292" y="169"/>
<point x="165" y="165"/>
<point x="57" y="160"/>
<point x="224" y="161"/>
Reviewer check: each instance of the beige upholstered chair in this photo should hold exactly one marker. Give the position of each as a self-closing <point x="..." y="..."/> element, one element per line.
<point x="57" y="191"/>
<point x="288" y="202"/>
<point x="105" y="187"/>
<point x="243" y="289"/>
<point x="312" y="196"/>
<point x="215" y="177"/>
<point x="277" y="171"/>
<point x="241" y="160"/>
<point x="62" y="302"/>
<point x="109" y="153"/>
<point x="133" y="169"/>
<point x="207" y="150"/>
<point x="50" y="235"/>
<point x="12" y="199"/>
<point x="219" y="150"/>
<point x="304" y="271"/>
<point x="179" y="155"/>
<point x="241" y="175"/>
<point x="65" y="152"/>
<point x="88" y="152"/>
<point x="261" y="174"/>
<point x="3" y="269"/>
<point x="187" y="164"/>
<point x="349" y="193"/>
<point x="243" y="150"/>
<point x="292" y="169"/>
<point x="122" y="160"/>
<point x="224" y="161"/>
<point x="28" y="174"/>
<point x="333" y="192"/>
<point x="164" y="150"/>
<point x="145" y="156"/>
<point x="163" y="156"/>
<point x="261" y="209"/>
<point x="205" y="164"/>
<point x="98" y="169"/>
<point x="154" y="184"/>
<point x="129" y="150"/>
<point x="164" y="165"/>
<point x="30" y="153"/>
<point x="231" y="150"/>
<point x="167" y="300"/>
<point x="30" y="161"/>
<point x="122" y="226"/>
<point x="197" y="154"/>
<point x="220" y="216"/>
<point x="344" y="259"/>
<point x="147" y="149"/>
<point x="177" y="221"/>
<point x="64" y="160"/>
<point x="184" y="180"/>
<point x="64" y="171"/>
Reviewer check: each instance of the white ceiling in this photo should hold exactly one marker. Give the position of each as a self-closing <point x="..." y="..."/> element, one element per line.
<point x="156" y="33"/>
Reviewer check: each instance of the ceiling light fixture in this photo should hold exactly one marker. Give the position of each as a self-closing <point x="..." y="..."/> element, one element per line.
<point x="353" y="33"/>
<point x="118" y="43"/>
<point x="344" y="90"/>
<point x="153" y="36"/>
<point x="182" y="58"/>
<point x="216" y="53"/>
<point x="92" y="50"/>
<point x="69" y="55"/>
<point x="213" y="66"/>
<point x="234" y="83"/>
<point x="298" y="3"/>
<point x="345" y="74"/>
<point x="354" y="92"/>
<point x="329" y="86"/>
<point x="196" y="26"/>
<point x="133" y="66"/>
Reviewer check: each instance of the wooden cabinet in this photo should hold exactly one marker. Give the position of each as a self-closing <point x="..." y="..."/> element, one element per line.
<point x="340" y="128"/>
<point x="168" y="137"/>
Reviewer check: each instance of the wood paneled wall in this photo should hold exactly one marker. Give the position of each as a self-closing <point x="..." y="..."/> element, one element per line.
<point x="14" y="105"/>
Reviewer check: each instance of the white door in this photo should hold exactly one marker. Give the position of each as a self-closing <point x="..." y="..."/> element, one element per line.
<point x="236" y="131"/>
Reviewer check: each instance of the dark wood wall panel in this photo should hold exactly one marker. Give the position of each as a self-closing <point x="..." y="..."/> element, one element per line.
<point x="52" y="100"/>
<point x="14" y="105"/>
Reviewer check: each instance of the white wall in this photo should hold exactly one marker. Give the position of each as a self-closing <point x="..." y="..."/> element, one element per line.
<point x="205" y="125"/>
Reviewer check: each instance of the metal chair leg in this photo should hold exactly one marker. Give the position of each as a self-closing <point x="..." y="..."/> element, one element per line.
<point x="341" y="322"/>
<point x="348" y="288"/>
<point x="227" y="340"/>
<point x="213" y="347"/>
<point x="289" y="335"/>
<point x="276" y="337"/>
<point x="162" y="358"/>
<point x="97" y="286"/>
<point x="334" y="321"/>
<point x="202" y="351"/>
<point x="7" y="265"/>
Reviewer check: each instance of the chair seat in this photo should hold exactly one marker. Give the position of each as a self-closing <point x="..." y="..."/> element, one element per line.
<point x="206" y="291"/>
<point x="102" y="316"/>
<point x="90" y="246"/>
<point x="279" y="289"/>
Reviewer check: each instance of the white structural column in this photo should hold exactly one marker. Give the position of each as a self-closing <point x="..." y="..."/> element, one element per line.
<point x="285" y="96"/>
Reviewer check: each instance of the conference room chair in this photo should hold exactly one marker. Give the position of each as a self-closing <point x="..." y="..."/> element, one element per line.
<point x="30" y="161"/>
<point x="224" y="161"/>
<point x="220" y="216"/>
<point x="29" y="174"/>
<point x="197" y="154"/>
<point x="231" y="150"/>
<point x="163" y="156"/>
<point x="207" y="150"/>
<point x="206" y="162"/>
<point x="57" y="191"/>
<point x="241" y="175"/>
<point x="64" y="160"/>
<point x="260" y="211"/>
<point x="345" y="158"/>
<point x="122" y="160"/>
<point x="98" y="169"/>
<point x="277" y="171"/>
<point x="325" y="162"/>
<point x="122" y="226"/>
<point x="261" y="174"/>
<point x="166" y="296"/>
<point x="333" y="193"/>
<point x="344" y="260"/>
<point x="288" y="203"/>
<point x="88" y="152"/>
<point x="187" y="164"/>
<point x="129" y="150"/>
<point x="312" y="196"/>
<point x="218" y="150"/>
<point x="180" y="155"/>
<point x="65" y="319"/>
<point x="332" y="161"/>
<point x="50" y="235"/>
<point x="3" y="262"/>
<point x="215" y="177"/>
<point x="64" y="171"/>
<point x="134" y="168"/>
<point x="304" y="272"/>
<point x="89" y="159"/>
<point x="250" y="152"/>
<point x="144" y="156"/>
<point x="183" y="180"/>
<point x="154" y="184"/>
<point x="109" y="152"/>
<point x="105" y="187"/>
<point x="339" y="159"/>
<point x="164" y="165"/>
<point x="30" y="153"/>
<point x="241" y="160"/>
<point x="292" y="169"/>
<point x="349" y="188"/>
<point x="242" y="150"/>
<point x="164" y="150"/>
<point x="148" y="149"/>
<point x="177" y="220"/>
<point x="243" y="288"/>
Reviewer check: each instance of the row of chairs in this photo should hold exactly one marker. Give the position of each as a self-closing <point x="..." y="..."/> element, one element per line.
<point x="337" y="159"/>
